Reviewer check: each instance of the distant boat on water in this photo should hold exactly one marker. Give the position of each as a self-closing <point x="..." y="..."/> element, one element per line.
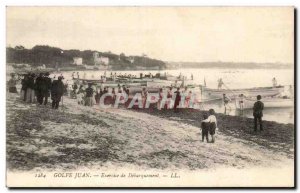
<point x="248" y="92"/>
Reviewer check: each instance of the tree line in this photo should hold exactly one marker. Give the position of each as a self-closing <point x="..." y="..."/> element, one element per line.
<point x="53" y="57"/>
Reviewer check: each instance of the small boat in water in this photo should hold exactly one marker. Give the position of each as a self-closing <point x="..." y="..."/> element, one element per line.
<point x="250" y="92"/>
<point x="275" y="102"/>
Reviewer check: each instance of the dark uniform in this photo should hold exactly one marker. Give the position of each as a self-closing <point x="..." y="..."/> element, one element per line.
<point x="30" y="82"/>
<point x="177" y="100"/>
<point x="30" y="89"/>
<point x="98" y="96"/>
<point x="205" y="128"/>
<point x="46" y="91"/>
<point x="258" y="114"/>
<point x="24" y="87"/>
<point x="89" y="96"/>
<point x="39" y="87"/>
<point x="57" y="90"/>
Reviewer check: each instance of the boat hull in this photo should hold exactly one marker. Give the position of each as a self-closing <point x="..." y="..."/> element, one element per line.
<point x="251" y="92"/>
<point x="268" y="103"/>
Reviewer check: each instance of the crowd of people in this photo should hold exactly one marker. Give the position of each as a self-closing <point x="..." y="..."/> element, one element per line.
<point x="38" y="88"/>
<point x="89" y="94"/>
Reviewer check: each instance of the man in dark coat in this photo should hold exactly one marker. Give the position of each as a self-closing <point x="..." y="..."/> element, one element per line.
<point x="24" y="83"/>
<point x="89" y="95"/>
<point x="205" y="126"/>
<point x="258" y="113"/>
<point x="30" y="94"/>
<point x="177" y="100"/>
<point x="57" y="90"/>
<point x="47" y="84"/>
<point x="39" y="87"/>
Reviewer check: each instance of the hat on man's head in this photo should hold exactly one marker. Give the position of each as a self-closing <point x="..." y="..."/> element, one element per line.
<point x="258" y="97"/>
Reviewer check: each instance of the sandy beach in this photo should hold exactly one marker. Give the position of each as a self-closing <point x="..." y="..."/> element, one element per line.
<point x="238" y="61"/>
<point x="39" y="138"/>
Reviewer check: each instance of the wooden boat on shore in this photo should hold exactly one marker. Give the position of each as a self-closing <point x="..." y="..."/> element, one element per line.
<point x="275" y="102"/>
<point x="145" y="82"/>
<point x="250" y="92"/>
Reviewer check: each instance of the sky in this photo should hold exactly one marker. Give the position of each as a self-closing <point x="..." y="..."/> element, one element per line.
<point x="194" y="34"/>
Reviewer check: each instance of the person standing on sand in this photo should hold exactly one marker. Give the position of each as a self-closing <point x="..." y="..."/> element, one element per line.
<point x="24" y="87"/>
<point x="74" y="87"/>
<point x="57" y="91"/>
<point x="191" y="100"/>
<point x="114" y="94"/>
<point x="258" y="113"/>
<point x="39" y="86"/>
<point x="185" y="94"/>
<point x="46" y="92"/>
<point x="98" y="95"/>
<point x="161" y="96"/>
<point x="89" y="95"/>
<point x="11" y="84"/>
<point x="213" y="124"/>
<point x="226" y="101"/>
<point x="169" y="98"/>
<point x="30" y="94"/>
<point x="144" y="96"/>
<point x="205" y="126"/>
<point x="177" y="100"/>
<point x="241" y="102"/>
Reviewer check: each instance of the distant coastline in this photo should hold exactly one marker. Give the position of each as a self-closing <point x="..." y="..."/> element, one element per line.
<point x="200" y="66"/>
<point x="229" y="65"/>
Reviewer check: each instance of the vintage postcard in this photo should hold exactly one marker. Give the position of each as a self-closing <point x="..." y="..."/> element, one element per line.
<point x="150" y="97"/>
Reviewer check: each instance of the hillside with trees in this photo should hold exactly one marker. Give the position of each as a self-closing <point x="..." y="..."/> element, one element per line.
<point x="53" y="57"/>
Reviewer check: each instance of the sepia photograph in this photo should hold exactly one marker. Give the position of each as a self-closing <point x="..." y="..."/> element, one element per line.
<point x="148" y="97"/>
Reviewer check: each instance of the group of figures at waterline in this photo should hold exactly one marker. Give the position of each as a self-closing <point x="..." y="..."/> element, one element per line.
<point x="237" y="101"/>
<point x="161" y="88"/>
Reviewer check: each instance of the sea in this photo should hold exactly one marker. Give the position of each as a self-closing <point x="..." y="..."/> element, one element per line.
<point x="232" y="78"/>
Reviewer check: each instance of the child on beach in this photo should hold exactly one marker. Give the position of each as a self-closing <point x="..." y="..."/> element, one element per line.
<point x="213" y="124"/>
<point x="226" y="101"/>
<point x="161" y="96"/>
<point x="205" y="126"/>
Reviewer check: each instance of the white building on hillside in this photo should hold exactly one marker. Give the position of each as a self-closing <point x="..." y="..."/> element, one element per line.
<point x="131" y="59"/>
<point x="77" y="61"/>
<point x="100" y="60"/>
<point x="104" y="60"/>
